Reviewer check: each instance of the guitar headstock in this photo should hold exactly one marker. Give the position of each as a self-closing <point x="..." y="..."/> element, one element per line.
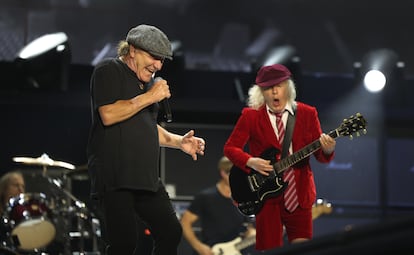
<point x="321" y="206"/>
<point x="353" y="124"/>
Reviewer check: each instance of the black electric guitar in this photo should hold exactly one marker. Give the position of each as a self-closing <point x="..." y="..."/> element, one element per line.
<point x="249" y="191"/>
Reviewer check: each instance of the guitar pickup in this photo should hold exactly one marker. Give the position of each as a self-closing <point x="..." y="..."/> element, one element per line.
<point x="253" y="184"/>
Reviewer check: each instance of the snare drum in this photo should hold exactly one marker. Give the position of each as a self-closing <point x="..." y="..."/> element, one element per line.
<point x="30" y="224"/>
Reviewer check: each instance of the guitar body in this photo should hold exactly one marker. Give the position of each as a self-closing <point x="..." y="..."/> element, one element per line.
<point x="250" y="190"/>
<point x="228" y="248"/>
<point x="247" y="200"/>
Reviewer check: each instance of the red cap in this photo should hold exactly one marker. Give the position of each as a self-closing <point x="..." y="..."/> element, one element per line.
<point x="272" y="75"/>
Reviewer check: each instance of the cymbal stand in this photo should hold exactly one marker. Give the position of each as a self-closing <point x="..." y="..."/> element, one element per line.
<point x="44" y="172"/>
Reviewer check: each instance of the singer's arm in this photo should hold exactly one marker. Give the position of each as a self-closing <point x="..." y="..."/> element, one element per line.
<point x="168" y="139"/>
<point x="188" y="143"/>
<point x="124" y="109"/>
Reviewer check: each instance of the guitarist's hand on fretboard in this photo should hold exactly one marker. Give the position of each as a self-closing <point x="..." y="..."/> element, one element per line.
<point x="327" y="144"/>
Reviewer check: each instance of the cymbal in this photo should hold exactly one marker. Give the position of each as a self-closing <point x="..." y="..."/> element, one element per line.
<point x="43" y="160"/>
<point x="79" y="173"/>
<point x="82" y="167"/>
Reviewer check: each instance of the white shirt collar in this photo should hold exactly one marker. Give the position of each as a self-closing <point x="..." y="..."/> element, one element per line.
<point x="288" y="108"/>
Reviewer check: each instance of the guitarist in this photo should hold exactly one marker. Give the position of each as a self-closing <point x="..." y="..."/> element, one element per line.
<point x="274" y="92"/>
<point x="214" y="211"/>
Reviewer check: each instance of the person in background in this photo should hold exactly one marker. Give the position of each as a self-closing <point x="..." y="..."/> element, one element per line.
<point x="218" y="217"/>
<point x="124" y="144"/>
<point x="274" y="93"/>
<point x="11" y="185"/>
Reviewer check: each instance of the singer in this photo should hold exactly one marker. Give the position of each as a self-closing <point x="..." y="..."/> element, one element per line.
<point x="124" y="144"/>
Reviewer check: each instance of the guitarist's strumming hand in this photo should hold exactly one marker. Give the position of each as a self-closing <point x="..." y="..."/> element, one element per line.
<point x="260" y="165"/>
<point x="327" y="144"/>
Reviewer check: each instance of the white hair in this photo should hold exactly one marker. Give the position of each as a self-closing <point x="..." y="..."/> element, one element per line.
<point x="255" y="99"/>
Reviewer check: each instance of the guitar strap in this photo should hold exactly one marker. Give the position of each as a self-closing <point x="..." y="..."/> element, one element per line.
<point x="289" y="131"/>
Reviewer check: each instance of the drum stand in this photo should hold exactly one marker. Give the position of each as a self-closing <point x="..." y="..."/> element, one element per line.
<point x="76" y="212"/>
<point x="75" y="216"/>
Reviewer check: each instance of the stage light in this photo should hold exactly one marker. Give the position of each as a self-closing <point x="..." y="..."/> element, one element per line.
<point x="280" y="55"/>
<point x="44" y="62"/>
<point x="374" y="81"/>
<point x="378" y="69"/>
<point x="43" y="44"/>
<point x="176" y="46"/>
<point x="268" y="37"/>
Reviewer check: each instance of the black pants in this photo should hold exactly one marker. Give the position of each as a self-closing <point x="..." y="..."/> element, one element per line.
<point x="122" y="211"/>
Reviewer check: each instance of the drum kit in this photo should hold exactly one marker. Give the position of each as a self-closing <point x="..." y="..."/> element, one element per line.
<point x="57" y="223"/>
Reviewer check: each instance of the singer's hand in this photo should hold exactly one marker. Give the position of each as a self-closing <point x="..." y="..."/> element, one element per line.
<point x="192" y="145"/>
<point x="159" y="90"/>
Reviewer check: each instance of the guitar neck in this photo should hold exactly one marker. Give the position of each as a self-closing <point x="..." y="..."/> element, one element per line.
<point x="306" y="151"/>
<point x="246" y="242"/>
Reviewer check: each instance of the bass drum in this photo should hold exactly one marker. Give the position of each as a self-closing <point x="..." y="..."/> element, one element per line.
<point x="29" y="218"/>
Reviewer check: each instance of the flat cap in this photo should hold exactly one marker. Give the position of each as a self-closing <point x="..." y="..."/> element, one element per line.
<point x="150" y="39"/>
<point x="272" y="75"/>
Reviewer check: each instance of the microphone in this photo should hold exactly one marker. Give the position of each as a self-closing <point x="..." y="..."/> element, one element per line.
<point x="166" y="105"/>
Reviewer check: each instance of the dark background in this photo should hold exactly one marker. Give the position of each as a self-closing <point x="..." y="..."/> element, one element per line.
<point x="372" y="176"/>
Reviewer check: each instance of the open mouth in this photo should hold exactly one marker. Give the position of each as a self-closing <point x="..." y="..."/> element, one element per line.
<point x="150" y="71"/>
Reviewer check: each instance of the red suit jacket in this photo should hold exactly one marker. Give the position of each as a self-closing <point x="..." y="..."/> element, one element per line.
<point x="254" y="129"/>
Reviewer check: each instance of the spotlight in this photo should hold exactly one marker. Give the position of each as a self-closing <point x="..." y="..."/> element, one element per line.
<point x="283" y="54"/>
<point x="176" y="46"/>
<point x="268" y="37"/>
<point x="44" y="63"/>
<point x="378" y="68"/>
<point x="374" y="81"/>
<point x="279" y="55"/>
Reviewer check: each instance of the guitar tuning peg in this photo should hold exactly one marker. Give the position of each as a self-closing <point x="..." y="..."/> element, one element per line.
<point x="351" y="137"/>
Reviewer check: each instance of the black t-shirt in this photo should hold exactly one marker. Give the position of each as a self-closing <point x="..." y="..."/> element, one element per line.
<point x="220" y="220"/>
<point x="126" y="154"/>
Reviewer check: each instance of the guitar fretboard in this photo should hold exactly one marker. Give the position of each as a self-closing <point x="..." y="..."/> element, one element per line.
<point x="306" y="151"/>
